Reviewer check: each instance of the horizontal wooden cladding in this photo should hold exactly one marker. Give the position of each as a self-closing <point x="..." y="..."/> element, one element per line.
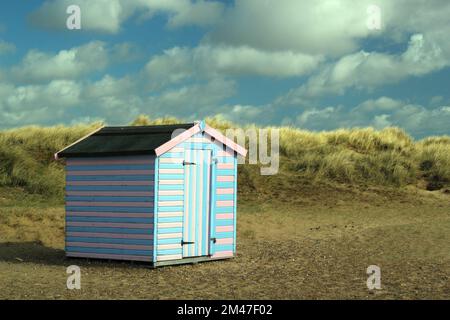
<point x="224" y="203"/>
<point x="169" y="203"/>
<point x="148" y="258"/>
<point x="169" y="257"/>
<point x="109" y="204"/>
<point x="222" y="254"/>
<point x="171" y="171"/>
<point x="221" y="216"/>
<point x="109" y="245"/>
<point x="224" y="228"/>
<point x="163" y="182"/>
<point x="224" y="241"/>
<point x="110" y="214"/>
<point x="111" y="160"/>
<point x="225" y="190"/>
<point x="170" y="235"/>
<point x="110" y="183"/>
<point x="170" y="192"/>
<point x="111" y="193"/>
<point x="109" y="235"/>
<point x="109" y="172"/>
<point x="169" y="246"/>
<point x="171" y="160"/>
<point x="110" y="224"/>
<point x="225" y="166"/>
<point x="225" y="178"/>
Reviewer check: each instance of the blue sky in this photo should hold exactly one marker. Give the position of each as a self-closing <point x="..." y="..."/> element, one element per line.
<point x="311" y="64"/>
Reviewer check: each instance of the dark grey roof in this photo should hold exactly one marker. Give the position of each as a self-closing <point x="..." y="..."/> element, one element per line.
<point x="130" y="140"/>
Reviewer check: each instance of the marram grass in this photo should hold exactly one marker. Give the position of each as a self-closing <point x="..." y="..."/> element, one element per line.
<point x="360" y="156"/>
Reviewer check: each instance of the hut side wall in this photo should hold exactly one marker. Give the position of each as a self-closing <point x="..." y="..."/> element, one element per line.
<point x="109" y="207"/>
<point x="170" y="198"/>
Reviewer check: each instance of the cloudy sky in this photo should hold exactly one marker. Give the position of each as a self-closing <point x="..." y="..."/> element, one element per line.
<point x="314" y="64"/>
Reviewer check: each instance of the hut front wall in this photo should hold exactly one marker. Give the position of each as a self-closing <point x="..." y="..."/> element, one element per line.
<point x="171" y="200"/>
<point x="109" y="207"/>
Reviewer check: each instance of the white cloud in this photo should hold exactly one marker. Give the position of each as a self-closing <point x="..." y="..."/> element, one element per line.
<point x="66" y="64"/>
<point x="108" y="15"/>
<point x="363" y="70"/>
<point x="177" y="64"/>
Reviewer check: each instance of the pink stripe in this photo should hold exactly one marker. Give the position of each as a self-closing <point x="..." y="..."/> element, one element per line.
<point x="109" y="235"/>
<point x="109" y="245"/>
<point x="178" y="139"/>
<point x="225" y="178"/>
<point x="225" y="203"/>
<point x="110" y="214"/>
<point x="224" y="241"/>
<point x="225" y="166"/>
<point x="224" y="228"/>
<point x="111" y="193"/>
<point x="110" y="224"/>
<point x="109" y="172"/>
<point x="224" y="154"/>
<point x="89" y="162"/>
<point x="223" y="139"/>
<point x="225" y="191"/>
<point x="109" y="256"/>
<point x="109" y="183"/>
<point x="222" y="254"/>
<point x="221" y="216"/>
<point x="109" y="204"/>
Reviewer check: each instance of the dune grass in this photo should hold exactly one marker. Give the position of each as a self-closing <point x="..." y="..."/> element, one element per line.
<point x="361" y="157"/>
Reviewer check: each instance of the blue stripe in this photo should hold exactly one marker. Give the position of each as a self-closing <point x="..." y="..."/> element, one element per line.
<point x="171" y="166"/>
<point x="110" y="167"/>
<point x="197" y="145"/>
<point x="107" y="230"/>
<point x="225" y="172"/>
<point x="170" y="198"/>
<point x="110" y="240"/>
<point x="109" y="199"/>
<point x="223" y="235"/>
<point x="224" y="210"/>
<point x="225" y="159"/>
<point x="170" y="230"/>
<point x="170" y="219"/>
<point x="224" y="247"/>
<point x="110" y="188"/>
<point x="109" y="209"/>
<point x="111" y="219"/>
<point x="171" y="187"/>
<point x="169" y="209"/>
<point x="137" y="177"/>
<point x="224" y="222"/>
<point x="172" y="155"/>
<point x="171" y="176"/>
<point x="224" y="184"/>
<point x="168" y="251"/>
<point x="225" y="197"/>
<point x="169" y="241"/>
<point x="110" y="251"/>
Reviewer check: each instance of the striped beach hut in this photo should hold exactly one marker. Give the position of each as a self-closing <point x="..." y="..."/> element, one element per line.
<point x="162" y="194"/>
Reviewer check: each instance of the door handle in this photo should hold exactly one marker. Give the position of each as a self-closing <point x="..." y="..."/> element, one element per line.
<point x="185" y="163"/>
<point x="186" y="242"/>
<point x="214" y="240"/>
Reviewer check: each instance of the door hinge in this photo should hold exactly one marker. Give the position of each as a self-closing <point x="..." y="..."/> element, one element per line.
<point x="185" y="163"/>
<point x="186" y="242"/>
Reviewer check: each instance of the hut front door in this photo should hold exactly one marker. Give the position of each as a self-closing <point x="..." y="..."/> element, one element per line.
<point x="197" y="183"/>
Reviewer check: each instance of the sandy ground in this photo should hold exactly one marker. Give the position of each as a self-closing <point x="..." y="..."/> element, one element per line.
<point x="309" y="250"/>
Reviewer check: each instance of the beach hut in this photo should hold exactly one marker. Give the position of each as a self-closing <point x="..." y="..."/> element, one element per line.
<point x="162" y="194"/>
